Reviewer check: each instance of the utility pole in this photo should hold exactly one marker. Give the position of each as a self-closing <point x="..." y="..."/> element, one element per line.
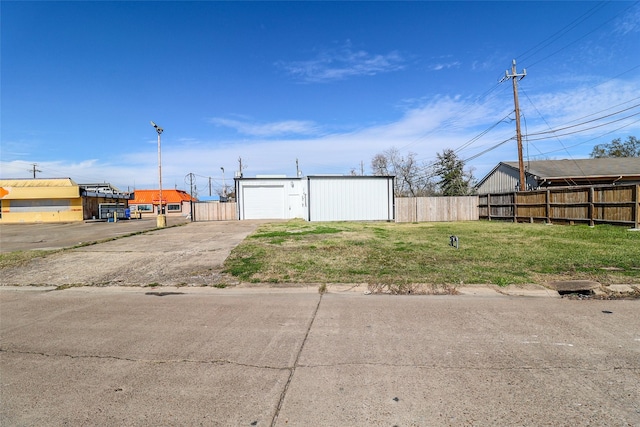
<point x="240" y="167"/>
<point x="361" y="168"/>
<point x="514" y="76"/>
<point x="34" y="170"/>
<point x="192" y="180"/>
<point x="297" y="169"/>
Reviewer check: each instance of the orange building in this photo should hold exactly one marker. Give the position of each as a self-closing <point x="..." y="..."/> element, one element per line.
<point x="176" y="202"/>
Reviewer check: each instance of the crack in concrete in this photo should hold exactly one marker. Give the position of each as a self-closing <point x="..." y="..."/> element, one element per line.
<point x="292" y="370"/>
<point x="157" y="361"/>
<point x="477" y="368"/>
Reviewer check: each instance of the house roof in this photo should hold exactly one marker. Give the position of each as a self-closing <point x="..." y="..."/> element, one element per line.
<point x="586" y="171"/>
<point x="103" y="187"/>
<point x="168" y="196"/>
<point x="38" y="182"/>
<point x="582" y="168"/>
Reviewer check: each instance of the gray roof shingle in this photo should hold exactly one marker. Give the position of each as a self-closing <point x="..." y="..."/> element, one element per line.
<point x="618" y="166"/>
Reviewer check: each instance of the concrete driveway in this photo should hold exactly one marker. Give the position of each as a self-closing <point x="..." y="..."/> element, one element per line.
<point x="47" y="236"/>
<point x="233" y="357"/>
<point x="189" y="254"/>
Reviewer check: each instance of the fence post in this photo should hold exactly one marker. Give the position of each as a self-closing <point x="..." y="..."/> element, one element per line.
<point x="548" y="205"/>
<point x="514" y="207"/>
<point x="636" y="207"/>
<point x="489" y="206"/>
<point x="591" y="213"/>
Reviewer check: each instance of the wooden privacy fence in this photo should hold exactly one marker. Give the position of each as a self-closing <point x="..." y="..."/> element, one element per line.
<point x="433" y="209"/>
<point x="617" y="204"/>
<point x="214" y="211"/>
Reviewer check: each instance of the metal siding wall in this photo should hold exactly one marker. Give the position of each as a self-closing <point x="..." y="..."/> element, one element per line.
<point x="350" y="199"/>
<point x="503" y="180"/>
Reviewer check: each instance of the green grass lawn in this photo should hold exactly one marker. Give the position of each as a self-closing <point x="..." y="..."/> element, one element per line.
<point x="390" y="253"/>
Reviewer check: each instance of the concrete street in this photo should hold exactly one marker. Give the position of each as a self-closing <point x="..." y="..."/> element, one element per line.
<point x="184" y="354"/>
<point x="207" y="356"/>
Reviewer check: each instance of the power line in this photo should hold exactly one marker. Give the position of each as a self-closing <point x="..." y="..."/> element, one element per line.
<point x="535" y="49"/>
<point x="592" y="139"/>
<point x="452" y="121"/>
<point x="539" y="47"/>
<point x="481" y="134"/>
<point x="597" y="112"/>
<point x="585" y="129"/>
<point x="475" y="156"/>
<point x="617" y="75"/>
<point x="493" y="147"/>
<point x="583" y="123"/>
<point x="581" y="37"/>
<point x="555" y="36"/>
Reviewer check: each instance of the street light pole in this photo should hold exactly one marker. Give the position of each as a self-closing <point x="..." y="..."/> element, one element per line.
<point x="161" y="220"/>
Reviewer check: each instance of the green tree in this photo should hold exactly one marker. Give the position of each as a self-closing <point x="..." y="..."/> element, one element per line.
<point x="454" y="181"/>
<point x="617" y="148"/>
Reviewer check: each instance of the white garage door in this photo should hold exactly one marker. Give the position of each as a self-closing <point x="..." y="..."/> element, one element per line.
<point x="263" y="202"/>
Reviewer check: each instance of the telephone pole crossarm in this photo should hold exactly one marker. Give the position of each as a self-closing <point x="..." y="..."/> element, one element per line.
<point x="34" y="170"/>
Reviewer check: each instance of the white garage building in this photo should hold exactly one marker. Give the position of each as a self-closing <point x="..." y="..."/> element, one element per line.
<point x="316" y="198"/>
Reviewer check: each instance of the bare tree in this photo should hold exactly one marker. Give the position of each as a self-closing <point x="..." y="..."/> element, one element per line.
<point x="380" y="165"/>
<point x="411" y="177"/>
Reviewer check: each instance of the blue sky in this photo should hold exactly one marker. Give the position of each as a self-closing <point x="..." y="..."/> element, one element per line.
<point x="328" y="83"/>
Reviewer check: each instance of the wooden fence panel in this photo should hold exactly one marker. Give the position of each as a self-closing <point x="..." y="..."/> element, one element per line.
<point x="406" y="209"/>
<point x="214" y="211"/>
<point x="532" y="205"/>
<point x="500" y="206"/>
<point x="619" y="204"/>
<point x="437" y="209"/>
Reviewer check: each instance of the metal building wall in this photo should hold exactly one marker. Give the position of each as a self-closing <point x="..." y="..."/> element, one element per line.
<point x="504" y="179"/>
<point x="351" y="198"/>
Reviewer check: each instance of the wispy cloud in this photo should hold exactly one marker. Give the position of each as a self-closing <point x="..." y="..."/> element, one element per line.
<point x="630" y="22"/>
<point x="341" y="63"/>
<point x="265" y="130"/>
<point x="445" y="65"/>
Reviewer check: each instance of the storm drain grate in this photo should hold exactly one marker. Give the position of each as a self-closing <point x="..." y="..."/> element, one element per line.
<point x="574" y="287"/>
<point x="578" y="292"/>
<point x="163" y="294"/>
